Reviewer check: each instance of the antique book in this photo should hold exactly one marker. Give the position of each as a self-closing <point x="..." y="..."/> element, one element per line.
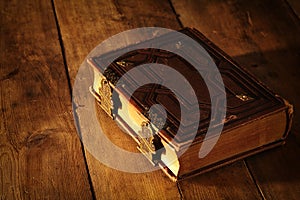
<point x="256" y="119"/>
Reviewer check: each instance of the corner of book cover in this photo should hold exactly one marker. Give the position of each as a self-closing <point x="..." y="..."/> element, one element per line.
<point x="289" y="116"/>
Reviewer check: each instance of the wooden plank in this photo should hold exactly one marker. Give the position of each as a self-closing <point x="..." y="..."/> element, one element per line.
<point x="83" y="26"/>
<point x="262" y="36"/>
<point x="229" y="182"/>
<point x="277" y="171"/>
<point x="98" y="21"/>
<point x="245" y="31"/>
<point x="40" y="152"/>
<point x="295" y="6"/>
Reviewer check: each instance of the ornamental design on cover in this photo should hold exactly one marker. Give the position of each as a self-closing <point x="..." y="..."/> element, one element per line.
<point x="244" y="97"/>
<point x="105" y="93"/>
<point x="111" y="75"/>
<point x="150" y="143"/>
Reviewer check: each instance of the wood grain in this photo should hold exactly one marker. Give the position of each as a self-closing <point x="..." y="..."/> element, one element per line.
<point x="295" y="6"/>
<point x="40" y="152"/>
<point x="263" y="37"/>
<point x="229" y="182"/>
<point x="84" y="25"/>
<point x="277" y="171"/>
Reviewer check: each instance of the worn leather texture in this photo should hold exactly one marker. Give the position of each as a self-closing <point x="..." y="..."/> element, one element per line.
<point x="247" y="98"/>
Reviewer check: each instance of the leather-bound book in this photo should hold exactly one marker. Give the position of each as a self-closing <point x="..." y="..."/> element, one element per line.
<point x="255" y="120"/>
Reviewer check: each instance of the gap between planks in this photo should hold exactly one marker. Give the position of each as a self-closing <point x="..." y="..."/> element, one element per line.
<point x="245" y="163"/>
<point x="70" y="90"/>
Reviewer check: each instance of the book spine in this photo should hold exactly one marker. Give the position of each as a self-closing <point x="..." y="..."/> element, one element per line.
<point x="102" y="91"/>
<point x="137" y="126"/>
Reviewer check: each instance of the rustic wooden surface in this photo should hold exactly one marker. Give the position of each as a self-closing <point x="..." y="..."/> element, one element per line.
<point x="40" y="154"/>
<point x="263" y="36"/>
<point x="42" y="46"/>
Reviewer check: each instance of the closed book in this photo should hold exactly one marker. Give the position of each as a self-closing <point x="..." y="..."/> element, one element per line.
<point x="255" y="120"/>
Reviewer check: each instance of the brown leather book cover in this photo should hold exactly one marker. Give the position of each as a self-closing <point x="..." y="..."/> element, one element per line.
<point x="256" y="118"/>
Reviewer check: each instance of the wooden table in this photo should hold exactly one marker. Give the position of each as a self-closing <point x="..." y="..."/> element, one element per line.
<point x="42" y="46"/>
